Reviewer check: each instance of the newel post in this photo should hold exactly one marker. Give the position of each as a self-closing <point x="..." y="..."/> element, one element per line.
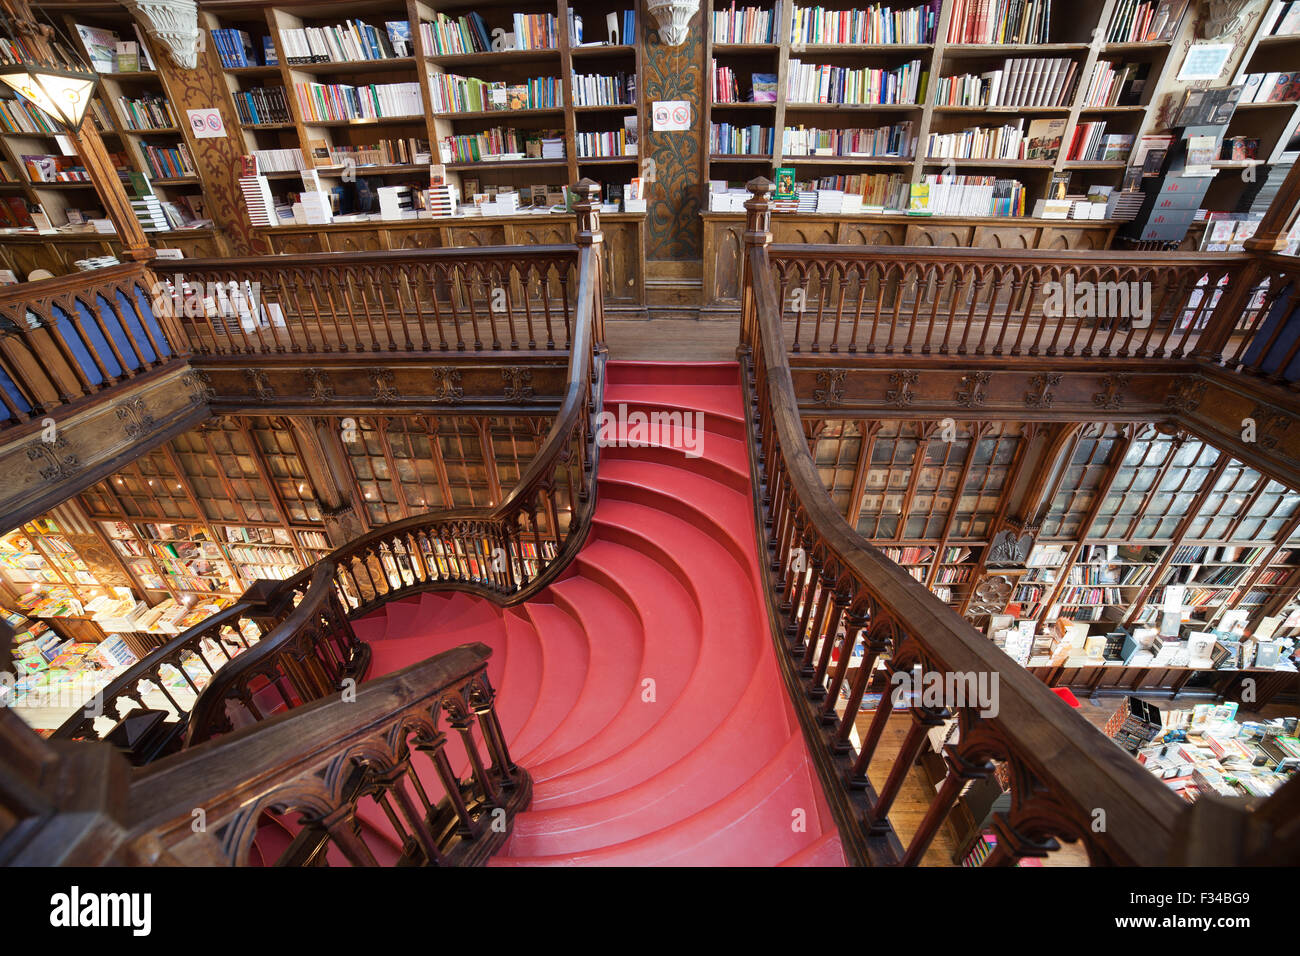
<point x="590" y="237"/>
<point x="758" y="233"/>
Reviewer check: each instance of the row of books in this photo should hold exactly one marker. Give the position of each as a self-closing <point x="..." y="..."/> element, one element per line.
<point x="953" y="575"/>
<point x="876" y="25"/>
<point x="813" y="83"/>
<point x="44" y="168"/>
<point x="754" y="140"/>
<point x="895" y="140"/>
<point x="919" y="555"/>
<point x="596" y="90"/>
<point x="726" y="86"/>
<point x="147" y="112"/>
<point x="1114" y="85"/>
<point x="1287" y="22"/>
<point x="279" y="160"/>
<point x="262" y="106"/>
<point x="1271" y="88"/>
<point x="978" y="142"/>
<point x="967" y="195"/>
<point x="320" y="102"/>
<point x="451" y="93"/>
<point x="1145" y="21"/>
<point x="880" y="190"/>
<point x="470" y="34"/>
<point x="1000" y="21"/>
<point x="19" y="116"/>
<point x="1040" y="81"/>
<point x="387" y="152"/>
<point x="746" y="25"/>
<point x="349" y="42"/>
<point x="444" y="36"/>
<point x="497" y="143"/>
<point x="595" y="145"/>
<point x="236" y="49"/>
<point x="1089" y="141"/>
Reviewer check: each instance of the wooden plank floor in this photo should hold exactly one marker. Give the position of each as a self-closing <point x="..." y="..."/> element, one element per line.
<point x="671" y="340"/>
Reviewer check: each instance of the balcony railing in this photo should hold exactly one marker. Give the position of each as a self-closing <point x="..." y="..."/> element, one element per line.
<point x="431" y="300"/>
<point x="68" y="338"/>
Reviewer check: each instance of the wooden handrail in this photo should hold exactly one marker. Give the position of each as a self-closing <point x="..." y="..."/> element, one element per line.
<point x="408" y="301"/>
<point x="213" y="642"/>
<point x="52" y="353"/>
<point x="1065" y="777"/>
<point x="321" y="760"/>
<point x="1021" y="303"/>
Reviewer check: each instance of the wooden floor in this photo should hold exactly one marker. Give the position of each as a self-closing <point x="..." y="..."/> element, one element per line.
<point x="671" y="340"/>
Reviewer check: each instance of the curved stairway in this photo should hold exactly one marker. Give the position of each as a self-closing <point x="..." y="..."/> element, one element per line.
<point x="641" y="691"/>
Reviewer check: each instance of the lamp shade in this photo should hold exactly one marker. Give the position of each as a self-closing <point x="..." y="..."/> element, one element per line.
<point x="64" y="94"/>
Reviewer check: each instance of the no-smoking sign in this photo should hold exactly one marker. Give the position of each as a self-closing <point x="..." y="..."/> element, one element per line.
<point x="671" y="115"/>
<point x="206" y="124"/>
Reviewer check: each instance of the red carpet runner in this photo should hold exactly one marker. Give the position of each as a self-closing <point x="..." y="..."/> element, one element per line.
<point x="642" y="691"/>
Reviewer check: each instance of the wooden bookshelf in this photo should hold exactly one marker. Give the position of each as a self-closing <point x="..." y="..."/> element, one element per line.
<point x="422" y="66"/>
<point x="1071" y="36"/>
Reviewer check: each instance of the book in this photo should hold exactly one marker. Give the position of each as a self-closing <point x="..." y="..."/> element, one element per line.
<point x="1044" y="139"/>
<point x="399" y="34"/>
<point x="128" y="57"/>
<point x="101" y="45"/>
<point x="784" y="184"/>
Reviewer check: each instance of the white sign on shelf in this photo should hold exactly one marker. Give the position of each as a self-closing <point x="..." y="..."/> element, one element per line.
<point x="1204" y="61"/>
<point x="206" y="124"/>
<point x="671" y="116"/>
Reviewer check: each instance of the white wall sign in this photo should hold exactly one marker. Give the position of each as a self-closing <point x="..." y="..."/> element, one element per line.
<point x="671" y="115"/>
<point x="1205" y="61"/>
<point x="206" y="124"/>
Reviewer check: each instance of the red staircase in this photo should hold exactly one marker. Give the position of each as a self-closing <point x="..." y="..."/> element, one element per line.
<point x="641" y="691"/>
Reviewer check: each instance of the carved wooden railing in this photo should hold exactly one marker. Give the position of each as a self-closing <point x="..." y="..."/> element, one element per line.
<point x="1257" y="331"/>
<point x="902" y="300"/>
<point x="430" y="300"/>
<point x="313" y="766"/>
<point x="821" y="574"/>
<point x="506" y="554"/>
<point x="149" y="682"/>
<point x="68" y="338"/>
<point x="307" y="656"/>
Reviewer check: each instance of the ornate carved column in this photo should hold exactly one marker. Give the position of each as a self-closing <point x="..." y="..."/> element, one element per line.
<point x="327" y="468"/>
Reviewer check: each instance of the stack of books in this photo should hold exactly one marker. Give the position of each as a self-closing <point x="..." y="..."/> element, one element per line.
<point x="258" y="198"/>
<point x="150" y="213"/>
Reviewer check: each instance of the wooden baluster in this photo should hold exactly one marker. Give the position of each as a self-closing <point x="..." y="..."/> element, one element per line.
<point x="463" y="724"/>
<point x="839" y="599"/>
<point x="434" y="747"/>
<point x="74" y="319"/>
<point x="812" y="599"/>
<point x="991" y="303"/>
<point x="861" y="272"/>
<point x="885" y="707"/>
<point x="340" y="824"/>
<point x="546" y="308"/>
<point x="565" y="310"/>
<point x="493" y="736"/>
<point x="960" y="771"/>
<point x="854" y="623"/>
<point x="923" y="718"/>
